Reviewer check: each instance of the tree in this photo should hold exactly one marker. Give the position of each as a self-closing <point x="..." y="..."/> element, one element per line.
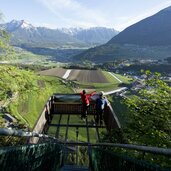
<point x="6" y="51"/>
<point x="149" y="122"/>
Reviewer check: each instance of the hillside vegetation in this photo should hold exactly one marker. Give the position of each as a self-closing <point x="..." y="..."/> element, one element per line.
<point x="31" y="92"/>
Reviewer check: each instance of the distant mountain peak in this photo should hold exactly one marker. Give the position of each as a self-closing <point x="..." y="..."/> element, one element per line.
<point x="71" y="31"/>
<point x="15" y="24"/>
<point x="25" y="33"/>
<point x="26" y="25"/>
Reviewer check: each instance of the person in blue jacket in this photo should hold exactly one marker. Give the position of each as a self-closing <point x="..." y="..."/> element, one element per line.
<point x="101" y="102"/>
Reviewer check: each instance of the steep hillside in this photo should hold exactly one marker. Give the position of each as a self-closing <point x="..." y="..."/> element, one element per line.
<point x="152" y="31"/>
<point x="149" y="38"/>
<point x="30" y="90"/>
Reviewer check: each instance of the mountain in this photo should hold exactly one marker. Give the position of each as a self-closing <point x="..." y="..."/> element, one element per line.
<point x="152" y="31"/>
<point x="149" y="38"/>
<point x="92" y="36"/>
<point x="25" y="34"/>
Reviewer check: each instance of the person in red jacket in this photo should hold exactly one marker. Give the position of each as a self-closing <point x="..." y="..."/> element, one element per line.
<point x="85" y="103"/>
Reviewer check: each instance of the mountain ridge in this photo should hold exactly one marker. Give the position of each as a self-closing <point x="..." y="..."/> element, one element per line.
<point x="25" y="33"/>
<point x="152" y="31"/>
<point x="149" y="38"/>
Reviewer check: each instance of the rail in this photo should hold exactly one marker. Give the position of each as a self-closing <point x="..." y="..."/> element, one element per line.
<point x="21" y="133"/>
<point x="96" y="153"/>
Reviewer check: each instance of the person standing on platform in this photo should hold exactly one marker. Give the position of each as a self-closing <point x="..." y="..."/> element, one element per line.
<point x="101" y="102"/>
<point x="85" y="103"/>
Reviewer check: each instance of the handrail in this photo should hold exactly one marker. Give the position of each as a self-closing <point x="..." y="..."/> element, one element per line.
<point x="153" y="150"/>
<point x="21" y="133"/>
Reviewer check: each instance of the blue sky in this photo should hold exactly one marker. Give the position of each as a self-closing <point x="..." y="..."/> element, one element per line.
<point x="116" y="14"/>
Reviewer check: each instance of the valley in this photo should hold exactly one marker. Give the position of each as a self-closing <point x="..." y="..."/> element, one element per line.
<point x="85" y="85"/>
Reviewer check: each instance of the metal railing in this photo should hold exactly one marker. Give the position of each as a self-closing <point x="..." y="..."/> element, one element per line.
<point x="91" y="146"/>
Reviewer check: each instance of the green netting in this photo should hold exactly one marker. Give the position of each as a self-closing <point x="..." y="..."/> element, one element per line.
<point x="102" y="160"/>
<point x="39" y="157"/>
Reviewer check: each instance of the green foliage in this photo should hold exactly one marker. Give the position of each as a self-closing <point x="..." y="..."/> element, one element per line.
<point x="119" y="107"/>
<point x="12" y="80"/>
<point x="6" y="51"/>
<point x="149" y="120"/>
<point x="30" y="92"/>
<point x="109" y="52"/>
<point x="29" y="104"/>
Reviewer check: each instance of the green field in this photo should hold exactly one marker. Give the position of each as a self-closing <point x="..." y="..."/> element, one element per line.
<point x="123" y="78"/>
<point x="112" y="85"/>
<point x="110" y="78"/>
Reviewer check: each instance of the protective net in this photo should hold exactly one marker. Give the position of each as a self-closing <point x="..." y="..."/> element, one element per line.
<point x="39" y="157"/>
<point x="102" y="160"/>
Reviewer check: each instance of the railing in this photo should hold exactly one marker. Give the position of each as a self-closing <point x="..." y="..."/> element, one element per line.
<point x="40" y="157"/>
<point x="71" y="104"/>
<point x="100" y="158"/>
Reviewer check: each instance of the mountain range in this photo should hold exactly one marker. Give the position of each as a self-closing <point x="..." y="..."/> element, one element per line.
<point x="25" y="34"/>
<point x="149" y="38"/>
<point x="92" y="36"/>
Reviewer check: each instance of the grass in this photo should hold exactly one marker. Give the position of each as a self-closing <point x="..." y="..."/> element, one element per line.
<point x="110" y="78"/>
<point x="119" y="108"/>
<point x="98" y="86"/>
<point x="112" y="85"/>
<point x="123" y="78"/>
<point x="29" y="105"/>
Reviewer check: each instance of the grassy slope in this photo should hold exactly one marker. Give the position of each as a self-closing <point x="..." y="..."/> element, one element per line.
<point x="119" y="108"/>
<point x="123" y="78"/>
<point x="30" y="105"/>
<point x="113" y="83"/>
<point x="110" y="78"/>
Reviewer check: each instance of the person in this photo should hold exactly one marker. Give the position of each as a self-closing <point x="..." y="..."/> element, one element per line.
<point x="85" y="103"/>
<point x="101" y="102"/>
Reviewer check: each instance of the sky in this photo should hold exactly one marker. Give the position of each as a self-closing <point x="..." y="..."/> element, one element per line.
<point x="117" y="14"/>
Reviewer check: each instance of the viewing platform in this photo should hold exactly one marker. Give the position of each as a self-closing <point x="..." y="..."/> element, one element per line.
<point x="62" y="141"/>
